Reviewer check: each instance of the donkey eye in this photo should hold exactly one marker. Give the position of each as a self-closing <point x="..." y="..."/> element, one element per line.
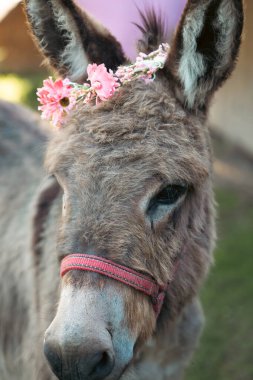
<point x="170" y="194"/>
<point x="165" y="201"/>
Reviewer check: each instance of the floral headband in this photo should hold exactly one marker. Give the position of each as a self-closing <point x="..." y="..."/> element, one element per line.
<point x="59" y="97"/>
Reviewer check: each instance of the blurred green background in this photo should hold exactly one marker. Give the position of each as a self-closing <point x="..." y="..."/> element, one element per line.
<point x="226" y="348"/>
<point x="21" y="88"/>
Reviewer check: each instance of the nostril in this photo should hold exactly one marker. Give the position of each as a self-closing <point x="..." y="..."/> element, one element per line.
<point x="76" y="359"/>
<point x="54" y="358"/>
<point x="102" y="365"/>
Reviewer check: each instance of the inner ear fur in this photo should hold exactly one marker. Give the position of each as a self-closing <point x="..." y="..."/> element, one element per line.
<point x="204" y="50"/>
<point x="70" y="39"/>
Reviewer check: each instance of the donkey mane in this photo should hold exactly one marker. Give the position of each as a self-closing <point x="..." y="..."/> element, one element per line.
<point x="154" y="29"/>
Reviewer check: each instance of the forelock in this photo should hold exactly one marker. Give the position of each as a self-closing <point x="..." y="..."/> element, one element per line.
<point x="140" y="121"/>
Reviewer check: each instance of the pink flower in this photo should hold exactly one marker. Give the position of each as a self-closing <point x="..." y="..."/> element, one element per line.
<point x="103" y="82"/>
<point x="56" y="99"/>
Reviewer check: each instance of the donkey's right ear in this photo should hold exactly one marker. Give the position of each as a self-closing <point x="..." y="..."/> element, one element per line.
<point x="70" y="39"/>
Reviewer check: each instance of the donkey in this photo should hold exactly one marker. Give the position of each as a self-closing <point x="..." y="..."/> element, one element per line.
<point x="129" y="186"/>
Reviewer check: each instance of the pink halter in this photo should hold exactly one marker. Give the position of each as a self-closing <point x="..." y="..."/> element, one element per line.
<point x="127" y="276"/>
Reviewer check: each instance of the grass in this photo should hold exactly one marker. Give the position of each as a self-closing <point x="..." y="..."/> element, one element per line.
<point x="226" y="347"/>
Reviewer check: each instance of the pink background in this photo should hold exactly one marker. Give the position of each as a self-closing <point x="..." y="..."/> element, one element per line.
<point x="118" y="16"/>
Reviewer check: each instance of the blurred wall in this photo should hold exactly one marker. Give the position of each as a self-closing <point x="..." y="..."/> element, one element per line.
<point x="119" y="17"/>
<point x="18" y="53"/>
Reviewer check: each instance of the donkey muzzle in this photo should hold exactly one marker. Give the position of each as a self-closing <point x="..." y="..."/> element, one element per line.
<point x="78" y="357"/>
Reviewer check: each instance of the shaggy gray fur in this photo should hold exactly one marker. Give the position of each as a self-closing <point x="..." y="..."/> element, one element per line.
<point x="109" y="161"/>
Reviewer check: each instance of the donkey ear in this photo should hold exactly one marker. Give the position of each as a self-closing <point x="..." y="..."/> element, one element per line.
<point x="205" y="49"/>
<point x="70" y="39"/>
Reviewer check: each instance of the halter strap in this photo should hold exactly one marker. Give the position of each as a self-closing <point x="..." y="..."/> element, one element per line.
<point x="130" y="277"/>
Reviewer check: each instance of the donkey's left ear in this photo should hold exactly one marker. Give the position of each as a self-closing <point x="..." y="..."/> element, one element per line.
<point x="205" y="49"/>
<point x="70" y="39"/>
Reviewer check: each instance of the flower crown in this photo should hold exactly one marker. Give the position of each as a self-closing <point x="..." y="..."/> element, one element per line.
<point x="58" y="97"/>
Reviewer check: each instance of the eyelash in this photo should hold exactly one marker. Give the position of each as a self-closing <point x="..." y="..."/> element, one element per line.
<point x="164" y="202"/>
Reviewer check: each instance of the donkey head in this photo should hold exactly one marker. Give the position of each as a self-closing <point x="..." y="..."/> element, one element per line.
<point x="135" y="172"/>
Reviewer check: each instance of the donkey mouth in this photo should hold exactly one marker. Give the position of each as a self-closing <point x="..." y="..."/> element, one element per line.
<point x="76" y="374"/>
